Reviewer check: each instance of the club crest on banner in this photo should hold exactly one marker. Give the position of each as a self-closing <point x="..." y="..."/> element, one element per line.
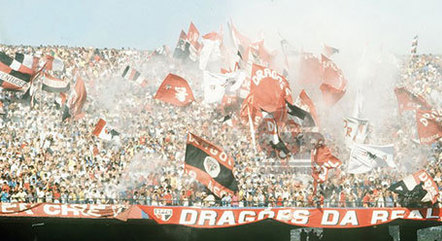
<point x="211" y="166"/>
<point x="181" y="94"/>
<point x="163" y="214"/>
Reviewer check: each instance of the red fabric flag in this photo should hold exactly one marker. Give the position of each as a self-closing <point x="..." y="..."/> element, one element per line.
<point x="260" y="54"/>
<point x="334" y="84"/>
<point x="410" y="101"/>
<point x="322" y="161"/>
<point x="429" y="126"/>
<point x="309" y="69"/>
<point x="308" y="105"/>
<point x="175" y="90"/>
<point x="249" y="107"/>
<point x="193" y="35"/>
<point x="77" y="101"/>
<point x="269" y="88"/>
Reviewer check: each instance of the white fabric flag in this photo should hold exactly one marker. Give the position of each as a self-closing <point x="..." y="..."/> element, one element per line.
<point x="364" y="158"/>
<point x="355" y="131"/>
<point x="209" y="52"/>
<point x="214" y="87"/>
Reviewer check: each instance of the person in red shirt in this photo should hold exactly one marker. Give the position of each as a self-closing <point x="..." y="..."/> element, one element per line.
<point x="366" y="201"/>
<point x="56" y="194"/>
<point x="279" y="201"/>
<point x="342" y="200"/>
<point x="168" y="198"/>
<point x="6" y="187"/>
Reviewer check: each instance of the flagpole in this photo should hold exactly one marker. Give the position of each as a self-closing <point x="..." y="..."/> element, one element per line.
<point x="252" y="130"/>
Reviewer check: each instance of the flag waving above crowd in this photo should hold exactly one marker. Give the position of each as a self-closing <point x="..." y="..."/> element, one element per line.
<point x="74" y="105"/>
<point x="103" y="131"/>
<point x="233" y="90"/>
<point x="210" y="165"/>
<point x="410" y="101"/>
<point x="419" y="187"/>
<point x="132" y="74"/>
<point x="13" y="75"/>
<point x="334" y="84"/>
<point x="52" y="84"/>
<point x="175" y="90"/>
<point x="365" y="158"/>
<point x="429" y="126"/>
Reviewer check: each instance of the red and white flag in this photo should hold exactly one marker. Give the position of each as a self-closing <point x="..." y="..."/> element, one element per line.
<point x="250" y="112"/>
<point x="334" y="84"/>
<point x="309" y="69"/>
<point x="270" y="89"/>
<point x="175" y="90"/>
<point x="307" y="104"/>
<point x="52" y="63"/>
<point x="75" y="103"/>
<point x="14" y="75"/>
<point x="192" y="36"/>
<point x="53" y="84"/>
<point x="211" y="49"/>
<point x="429" y="126"/>
<point x="103" y="131"/>
<point x="322" y="161"/>
<point x="410" y="101"/>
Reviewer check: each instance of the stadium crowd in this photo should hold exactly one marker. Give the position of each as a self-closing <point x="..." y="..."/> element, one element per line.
<point x="46" y="160"/>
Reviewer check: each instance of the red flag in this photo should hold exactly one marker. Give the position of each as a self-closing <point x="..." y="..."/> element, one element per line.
<point x="269" y="88"/>
<point x="308" y="105"/>
<point x="74" y="105"/>
<point x="240" y="41"/>
<point x="322" y="161"/>
<point x="334" y="84"/>
<point x="410" y="101"/>
<point x="429" y="126"/>
<point x="309" y="69"/>
<point x="193" y="35"/>
<point x="260" y="54"/>
<point x="175" y="90"/>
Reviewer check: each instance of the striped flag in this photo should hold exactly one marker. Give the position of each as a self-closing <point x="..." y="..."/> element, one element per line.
<point x="13" y="75"/>
<point x="130" y="73"/>
<point x="54" y="85"/>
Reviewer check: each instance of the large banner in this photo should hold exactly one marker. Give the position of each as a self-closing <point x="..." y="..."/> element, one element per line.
<point x="313" y="218"/>
<point x="62" y="210"/>
<point x="224" y="217"/>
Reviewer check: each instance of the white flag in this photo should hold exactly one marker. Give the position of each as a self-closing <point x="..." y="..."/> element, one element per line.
<point x="214" y="87"/>
<point x="209" y="52"/>
<point x="355" y="131"/>
<point x="364" y="158"/>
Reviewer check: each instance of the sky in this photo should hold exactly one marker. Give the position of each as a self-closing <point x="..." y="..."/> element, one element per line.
<point x="388" y="25"/>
